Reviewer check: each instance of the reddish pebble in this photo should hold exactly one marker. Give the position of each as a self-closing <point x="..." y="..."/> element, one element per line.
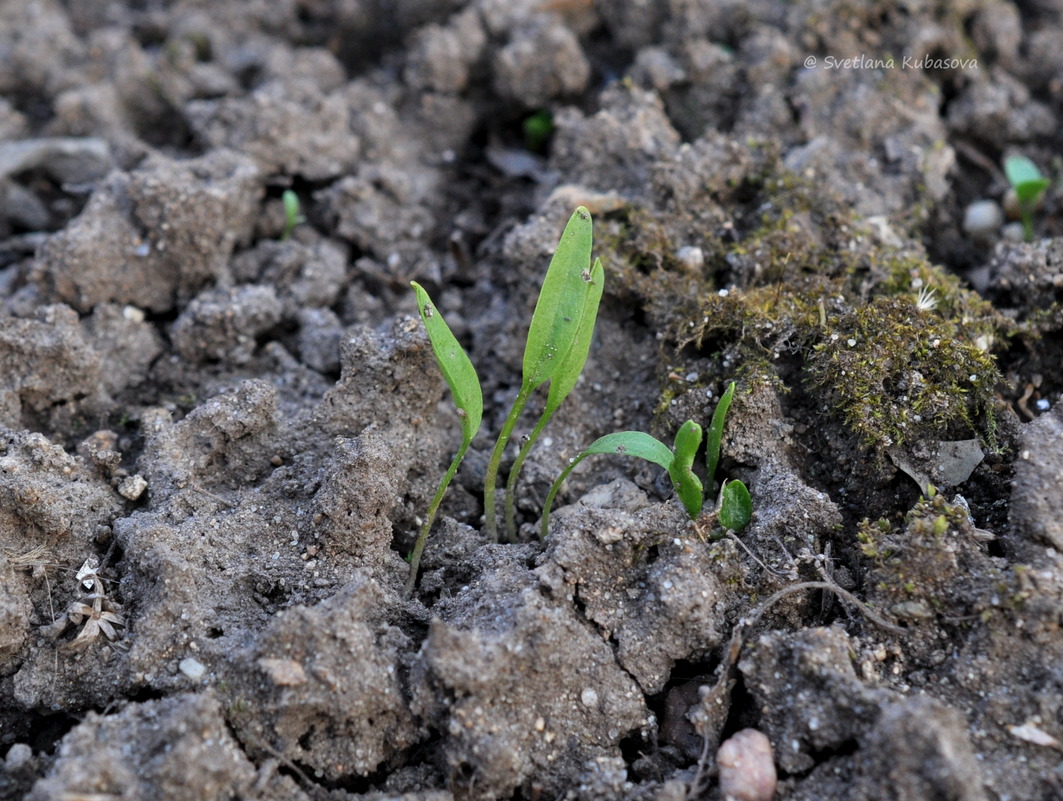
<point x="747" y="770"/>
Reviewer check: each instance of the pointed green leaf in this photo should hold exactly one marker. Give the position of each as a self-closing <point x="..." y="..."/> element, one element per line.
<point x="736" y="507"/>
<point x="572" y="365"/>
<point x="1025" y="178"/>
<point x="687" y="485"/>
<point x="715" y="434"/>
<point x="455" y="365"/>
<point x="556" y="319"/>
<point x="625" y="443"/>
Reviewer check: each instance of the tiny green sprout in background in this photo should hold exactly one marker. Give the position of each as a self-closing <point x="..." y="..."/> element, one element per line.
<point x="1029" y="185"/>
<point x="735" y="506"/>
<point x="464" y="385"/>
<point x="538" y="128"/>
<point x="293" y="215"/>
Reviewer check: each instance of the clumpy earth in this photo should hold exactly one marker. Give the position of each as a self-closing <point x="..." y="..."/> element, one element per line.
<point x="219" y="433"/>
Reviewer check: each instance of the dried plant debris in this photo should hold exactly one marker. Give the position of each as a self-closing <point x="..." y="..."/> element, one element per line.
<point x="94" y="611"/>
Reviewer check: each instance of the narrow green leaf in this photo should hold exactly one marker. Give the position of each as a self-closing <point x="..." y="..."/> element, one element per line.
<point x="624" y="443"/>
<point x="715" y="435"/>
<point x="556" y="320"/>
<point x="736" y="507"/>
<point x="687" y="485"/>
<point x="455" y="365"/>
<point x="572" y="365"/>
<point x="1025" y="178"/>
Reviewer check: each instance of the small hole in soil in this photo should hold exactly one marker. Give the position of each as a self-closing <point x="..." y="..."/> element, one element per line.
<point x="215" y="633"/>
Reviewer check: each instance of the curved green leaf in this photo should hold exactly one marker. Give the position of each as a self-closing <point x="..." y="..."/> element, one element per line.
<point x="455" y="365"/>
<point x="555" y="322"/>
<point x="687" y="485"/>
<point x="624" y="443"/>
<point x="736" y="507"/>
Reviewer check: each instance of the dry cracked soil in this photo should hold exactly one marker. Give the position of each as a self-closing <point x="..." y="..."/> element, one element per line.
<point x="219" y="432"/>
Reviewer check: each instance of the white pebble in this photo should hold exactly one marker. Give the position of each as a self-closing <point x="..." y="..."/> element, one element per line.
<point x="589" y="697"/>
<point x="192" y="668"/>
<point x="982" y="219"/>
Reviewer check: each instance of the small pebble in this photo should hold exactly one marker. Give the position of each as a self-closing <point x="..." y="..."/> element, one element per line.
<point x="747" y="769"/>
<point x="132" y="487"/>
<point x="1013" y="232"/>
<point x="982" y="219"/>
<point x="192" y="668"/>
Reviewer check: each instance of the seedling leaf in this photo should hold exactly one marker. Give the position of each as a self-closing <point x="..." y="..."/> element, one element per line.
<point x="464" y="385"/>
<point x="1025" y="178"/>
<point x="455" y="365"/>
<point x="715" y="434"/>
<point x="625" y="443"/>
<point x="555" y="322"/>
<point x="687" y="485"/>
<point x="561" y="384"/>
<point x="736" y="507"/>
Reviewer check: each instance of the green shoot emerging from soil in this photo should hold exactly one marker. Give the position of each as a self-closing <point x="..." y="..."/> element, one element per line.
<point x="464" y="385"/>
<point x="735" y="508"/>
<point x="559" y="340"/>
<point x="557" y="345"/>
<point x="1029" y="185"/>
<point x="293" y="215"/>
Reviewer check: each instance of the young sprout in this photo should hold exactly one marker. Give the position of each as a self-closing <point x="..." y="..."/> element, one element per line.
<point x="715" y="436"/>
<point x="1029" y="185"/>
<point x="735" y="506"/>
<point x="464" y="385"/>
<point x="293" y="216"/>
<point x="566" y="294"/>
<point x="687" y="485"/>
<point x="561" y="385"/>
<point x="625" y="443"/>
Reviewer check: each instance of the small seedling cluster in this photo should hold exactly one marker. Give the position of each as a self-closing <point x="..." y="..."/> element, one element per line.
<point x="734" y="507"/>
<point x="559" y="340"/>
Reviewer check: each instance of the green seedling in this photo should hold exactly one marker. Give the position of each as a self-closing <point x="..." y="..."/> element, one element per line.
<point x="1029" y="185"/>
<point x="735" y="505"/>
<point x="558" y="327"/>
<point x="293" y="215"/>
<point x="464" y="385"/>
<point x="538" y="128"/>
<point x="715" y="435"/>
<point x="561" y="385"/>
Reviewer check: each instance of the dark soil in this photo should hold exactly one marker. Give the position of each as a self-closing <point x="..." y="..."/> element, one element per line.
<point x="217" y="441"/>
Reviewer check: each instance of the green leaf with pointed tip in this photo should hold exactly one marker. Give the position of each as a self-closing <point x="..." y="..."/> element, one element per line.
<point x="687" y="485"/>
<point x="556" y="320"/>
<point x="736" y="507"/>
<point x="715" y="434"/>
<point x="1025" y="178"/>
<point x="624" y="443"/>
<point x="455" y="365"/>
<point x="572" y="365"/>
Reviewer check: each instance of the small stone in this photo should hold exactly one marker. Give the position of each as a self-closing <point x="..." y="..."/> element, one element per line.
<point x="747" y="768"/>
<point x="18" y="755"/>
<point x="132" y="487"/>
<point x="192" y="668"/>
<point x="691" y="257"/>
<point x="283" y="672"/>
<point x="982" y="220"/>
<point x="589" y="697"/>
